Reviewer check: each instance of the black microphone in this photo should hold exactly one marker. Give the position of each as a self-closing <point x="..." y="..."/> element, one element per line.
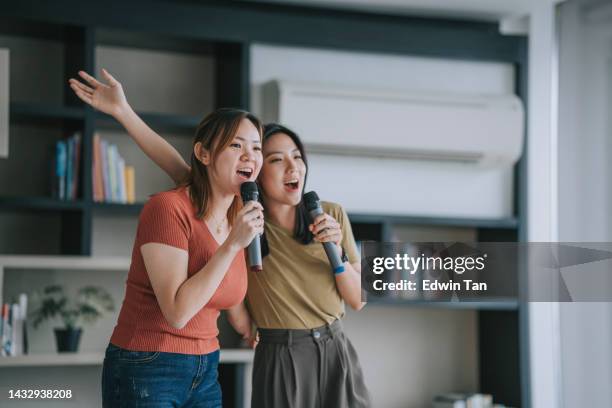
<point x="313" y="206"/>
<point x="249" y="192"/>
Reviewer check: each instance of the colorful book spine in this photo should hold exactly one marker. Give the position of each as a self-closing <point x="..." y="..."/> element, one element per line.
<point x="98" y="181"/>
<point x="94" y="168"/>
<point x="23" y="309"/>
<point x="60" y="169"/>
<point x="15" y="350"/>
<point x="112" y="180"/>
<point x="2" y="329"/>
<point x="69" y="168"/>
<point x="105" y="170"/>
<point x="121" y="190"/>
<point x="112" y="172"/>
<point x="76" y="159"/>
<point x="130" y="184"/>
<point x="6" y="330"/>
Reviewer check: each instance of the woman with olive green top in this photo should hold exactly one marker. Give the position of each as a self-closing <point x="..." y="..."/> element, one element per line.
<point x="296" y="290"/>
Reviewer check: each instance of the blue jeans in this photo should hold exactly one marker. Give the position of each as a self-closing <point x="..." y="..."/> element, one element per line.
<point x="158" y="379"/>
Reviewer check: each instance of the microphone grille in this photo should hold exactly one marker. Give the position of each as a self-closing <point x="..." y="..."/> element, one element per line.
<point x="311" y="200"/>
<point x="247" y="189"/>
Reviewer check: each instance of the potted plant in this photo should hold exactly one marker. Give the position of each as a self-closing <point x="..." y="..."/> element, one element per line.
<point x="90" y="304"/>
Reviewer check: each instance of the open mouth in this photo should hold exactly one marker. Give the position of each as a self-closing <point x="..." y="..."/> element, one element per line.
<point x="292" y="185"/>
<point x="245" y="172"/>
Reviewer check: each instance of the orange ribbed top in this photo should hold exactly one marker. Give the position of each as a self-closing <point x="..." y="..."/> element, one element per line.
<point x="169" y="218"/>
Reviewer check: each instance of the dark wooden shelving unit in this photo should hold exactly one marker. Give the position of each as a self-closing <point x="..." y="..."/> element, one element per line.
<point x="500" y="223"/>
<point x="39" y="204"/>
<point x="117" y="208"/>
<point x="182" y="124"/>
<point x="225" y="31"/>
<point x="493" y="304"/>
<point x="44" y="113"/>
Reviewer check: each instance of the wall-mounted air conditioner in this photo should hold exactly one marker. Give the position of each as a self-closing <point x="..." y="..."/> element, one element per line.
<point x="483" y="129"/>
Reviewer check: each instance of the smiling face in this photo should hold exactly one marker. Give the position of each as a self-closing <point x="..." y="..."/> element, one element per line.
<point x="284" y="171"/>
<point x="240" y="161"/>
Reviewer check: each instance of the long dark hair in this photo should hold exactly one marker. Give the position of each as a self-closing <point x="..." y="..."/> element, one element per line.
<point x="215" y="132"/>
<point x="302" y="219"/>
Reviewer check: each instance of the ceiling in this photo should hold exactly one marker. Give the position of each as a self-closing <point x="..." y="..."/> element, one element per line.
<point x="489" y="10"/>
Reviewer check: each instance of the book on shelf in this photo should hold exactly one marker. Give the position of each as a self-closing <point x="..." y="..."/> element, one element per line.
<point x="13" y="328"/>
<point x="97" y="177"/>
<point x="113" y="180"/>
<point x="65" y="168"/>
<point x="5" y="329"/>
<point x="58" y="169"/>
<point x="129" y="184"/>
<point x="69" y="171"/>
<point x="111" y="162"/>
<point x="76" y="159"/>
<point x="106" y="191"/>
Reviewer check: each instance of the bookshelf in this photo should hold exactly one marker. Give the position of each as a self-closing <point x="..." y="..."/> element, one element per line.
<point x="49" y="44"/>
<point x="61" y="113"/>
<point x="28" y="273"/>
<point x="498" y="324"/>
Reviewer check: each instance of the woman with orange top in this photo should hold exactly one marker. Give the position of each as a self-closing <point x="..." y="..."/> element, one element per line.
<point x="187" y="264"/>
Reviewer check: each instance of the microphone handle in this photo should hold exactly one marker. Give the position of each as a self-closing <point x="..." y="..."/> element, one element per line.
<point x="331" y="250"/>
<point x="254" y="248"/>
<point x="254" y="251"/>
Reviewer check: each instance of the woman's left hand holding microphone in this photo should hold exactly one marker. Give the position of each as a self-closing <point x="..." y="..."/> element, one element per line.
<point x="325" y="228"/>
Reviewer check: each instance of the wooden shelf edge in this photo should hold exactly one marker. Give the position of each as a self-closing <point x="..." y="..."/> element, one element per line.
<point x="39" y="203"/>
<point x="183" y="124"/>
<point x="117" y="208"/>
<point x="503" y="223"/>
<point x="497" y="304"/>
<point x="26" y="110"/>
<point x="228" y="356"/>
<point x="72" y="262"/>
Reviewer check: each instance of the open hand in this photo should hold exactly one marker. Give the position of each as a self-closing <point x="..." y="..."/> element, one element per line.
<point x="108" y="98"/>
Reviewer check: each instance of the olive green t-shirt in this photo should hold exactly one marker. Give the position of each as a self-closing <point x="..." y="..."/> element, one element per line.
<point x="296" y="288"/>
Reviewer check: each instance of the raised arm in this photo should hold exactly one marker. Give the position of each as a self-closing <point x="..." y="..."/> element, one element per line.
<point x="110" y="99"/>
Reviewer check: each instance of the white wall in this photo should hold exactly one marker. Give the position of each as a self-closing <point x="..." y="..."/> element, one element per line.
<point x="585" y="146"/>
<point x="162" y="81"/>
<point x="411" y="187"/>
<point x="409" y="354"/>
<point x="542" y="201"/>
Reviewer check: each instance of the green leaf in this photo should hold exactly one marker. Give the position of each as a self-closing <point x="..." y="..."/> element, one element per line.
<point x="90" y="304"/>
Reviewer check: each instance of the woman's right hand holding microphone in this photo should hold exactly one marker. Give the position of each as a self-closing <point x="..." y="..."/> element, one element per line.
<point x="249" y="222"/>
